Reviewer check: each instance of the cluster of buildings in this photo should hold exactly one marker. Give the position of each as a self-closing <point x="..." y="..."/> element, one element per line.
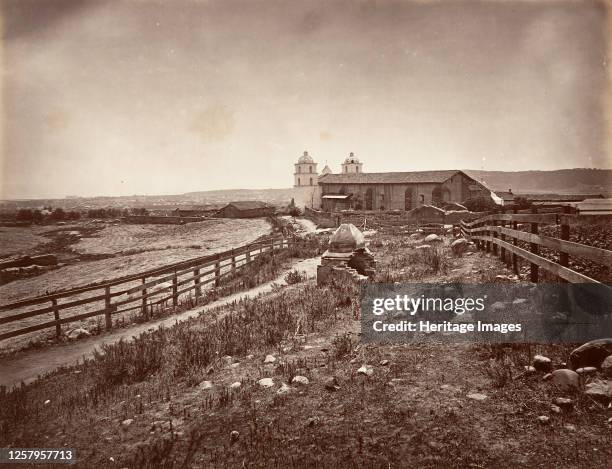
<point x="352" y="188"/>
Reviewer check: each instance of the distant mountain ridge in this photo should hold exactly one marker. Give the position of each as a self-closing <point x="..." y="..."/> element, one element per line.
<point x="565" y="181"/>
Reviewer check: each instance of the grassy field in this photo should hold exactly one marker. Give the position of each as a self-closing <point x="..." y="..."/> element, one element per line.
<point x="169" y="399"/>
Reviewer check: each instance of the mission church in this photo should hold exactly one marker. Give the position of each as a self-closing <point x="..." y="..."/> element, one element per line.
<point x="354" y="189"/>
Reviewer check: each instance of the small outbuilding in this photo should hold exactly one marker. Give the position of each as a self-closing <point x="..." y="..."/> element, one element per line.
<point x="246" y="209"/>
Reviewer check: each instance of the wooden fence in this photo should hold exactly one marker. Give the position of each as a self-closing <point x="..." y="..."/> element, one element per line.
<point x="501" y="233"/>
<point x="119" y="295"/>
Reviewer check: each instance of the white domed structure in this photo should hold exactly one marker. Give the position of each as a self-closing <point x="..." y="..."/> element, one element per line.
<point x="306" y="182"/>
<point x="352" y="164"/>
<point x="305" y="158"/>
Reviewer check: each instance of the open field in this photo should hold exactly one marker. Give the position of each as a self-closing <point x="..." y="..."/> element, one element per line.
<point x="131" y="249"/>
<point x="169" y="399"/>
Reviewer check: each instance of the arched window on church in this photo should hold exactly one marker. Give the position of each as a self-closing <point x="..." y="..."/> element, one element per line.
<point x="299" y="169"/>
<point x="311" y="172"/>
<point x="311" y="181"/>
<point x="299" y="183"/>
<point x="346" y="169"/>
<point x="357" y="169"/>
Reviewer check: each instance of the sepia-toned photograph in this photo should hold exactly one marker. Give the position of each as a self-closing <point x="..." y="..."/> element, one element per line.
<point x="306" y="234"/>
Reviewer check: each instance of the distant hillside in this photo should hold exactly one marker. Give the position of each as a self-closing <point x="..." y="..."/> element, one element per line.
<point x="274" y="196"/>
<point x="567" y="181"/>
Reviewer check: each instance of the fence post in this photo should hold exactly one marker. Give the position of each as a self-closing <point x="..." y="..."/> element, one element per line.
<point x="248" y="254"/>
<point x="144" y="298"/>
<point x="502" y="236"/>
<point x="272" y="247"/>
<point x="107" y="308"/>
<point x="565" y="235"/>
<point x="515" y="242"/>
<point x="233" y="262"/>
<point x="196" y="281"/>
<point x="174" y="290"/>
<point x="217" y="273"/>
<point x="58" y="327"/>
<point x="534" y="248"/>
<point x="487" y="234"/>
<point x="494" y="234"/>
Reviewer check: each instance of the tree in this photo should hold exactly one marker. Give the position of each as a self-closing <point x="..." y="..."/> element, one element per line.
<point x="58" y="214"/>
<point x="480" y="203"/>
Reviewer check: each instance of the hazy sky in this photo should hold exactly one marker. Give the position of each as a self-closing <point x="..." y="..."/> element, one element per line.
<point x="151" y="97"/>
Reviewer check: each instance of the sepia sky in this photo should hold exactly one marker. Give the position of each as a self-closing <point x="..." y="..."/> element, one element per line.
<point x="160" y="97"/>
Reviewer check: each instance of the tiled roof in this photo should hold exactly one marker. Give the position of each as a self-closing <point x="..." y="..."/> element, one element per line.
<point x="249" y="204"/>
<point x="411" y="177"/>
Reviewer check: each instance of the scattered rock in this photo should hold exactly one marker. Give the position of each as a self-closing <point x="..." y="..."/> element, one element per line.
<point x="432" y="238"/>
<point x="566" y="380"/>
<point x="48" y="401"/>
<point x="459" y="246"/>
<point x="332" y="384"/>
<point x="234" y="436"/>
<point x="606" y="367"/>
<point x="312" y="421"/>
<point x="365" y="370"/>
<point x="127" y="422"/>
<point x="569" y="427"/>
<point x="547" y="376"/>
<point x="270" y="359"/>
<point x="477" y="396"/>
<point x="205" y="385"/>
<point x="555" y="408"/>
<point x="544" y="420"/>
<point x="529" y="369"/>
<point x="519" y="301"/>
<point x="300" y="380"/>
<point x="586" y="370"/>
<point x="235" y="385"/>
<point x="423" y="246"/>
<point x="227" y="360"/>
<point x="542" y="363"/>
<point x="592" y="353"/>
<point x="564" y="402"/>
<point x="285" y="389"/>
<point x="78" y="333"/>
<point x="249" y="356"/>
<point x="599" y="390"/>
<point x="266" y="382"/>
<point x="384" y="362"/>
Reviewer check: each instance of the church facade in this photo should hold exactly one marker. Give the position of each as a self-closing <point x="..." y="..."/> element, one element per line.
<point x="354" y="189"/>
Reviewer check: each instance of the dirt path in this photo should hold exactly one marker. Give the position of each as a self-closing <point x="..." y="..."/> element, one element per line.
<point x="26" y="367"/>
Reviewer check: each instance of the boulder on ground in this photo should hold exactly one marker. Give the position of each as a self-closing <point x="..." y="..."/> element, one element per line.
<point x="300" y="380"/>
<point x="432" y="238"/>
<point x="423" y="247"/>
<point x="566" y="380"/>
<point x="459" y="246"/>
<point x="606" y="367"/>
<point x="266" y="382"/>
<point x="270" y="359"/>
<point x="542" y="363"/>
<point x="592" y="353"/>
<point x="599" y="390"/>
<point x="78" y="333"/>
<point x="332" y="384"/>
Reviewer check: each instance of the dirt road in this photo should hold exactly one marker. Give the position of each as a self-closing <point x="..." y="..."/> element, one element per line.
<point x="26" y="367"/>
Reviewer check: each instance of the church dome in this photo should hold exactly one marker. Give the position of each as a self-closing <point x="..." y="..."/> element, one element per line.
<point x="305" y="158"/>
<point x="351" y="159"/>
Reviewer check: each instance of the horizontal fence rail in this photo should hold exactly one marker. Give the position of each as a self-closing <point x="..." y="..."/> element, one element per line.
<point x="501" y="233"/>
<point x="146" y="289"/>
